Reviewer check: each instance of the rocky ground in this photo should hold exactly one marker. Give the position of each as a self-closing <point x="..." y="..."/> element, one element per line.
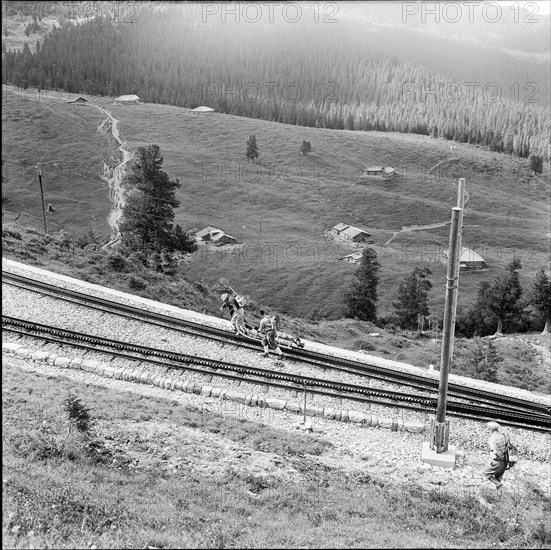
<point x="393" y="457"/>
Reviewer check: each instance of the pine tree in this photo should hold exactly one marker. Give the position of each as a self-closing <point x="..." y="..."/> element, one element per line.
<point x="503" y="296"/>
<point x="412" y="304"/>
<point x="361" y="299"/>
<point x="306" y="147"/>
<point x="149" y="210"/>
<point x="483" y="360"/>
<point x="536" y="164"/>
<point x="252" y="149"/>
<point x="540" y="298"/>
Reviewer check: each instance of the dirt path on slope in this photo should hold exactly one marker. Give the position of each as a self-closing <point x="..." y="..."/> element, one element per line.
<point x="114" y="175"/>
<point x="408" y="228"/>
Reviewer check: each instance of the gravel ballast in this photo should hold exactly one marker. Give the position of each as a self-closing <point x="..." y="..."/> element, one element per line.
<point x="388" y="451"/>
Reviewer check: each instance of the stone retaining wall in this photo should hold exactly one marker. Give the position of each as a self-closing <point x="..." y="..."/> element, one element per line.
<point x="179" y="383"/>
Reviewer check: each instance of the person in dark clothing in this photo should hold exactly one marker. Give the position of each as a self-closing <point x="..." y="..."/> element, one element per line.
<point x="498" y="446"/>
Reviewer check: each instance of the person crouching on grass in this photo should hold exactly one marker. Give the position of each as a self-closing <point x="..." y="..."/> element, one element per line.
<point x="498" y="445"/>
<point x="268" y="330"/>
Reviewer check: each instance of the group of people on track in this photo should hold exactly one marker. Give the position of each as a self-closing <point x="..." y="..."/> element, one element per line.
<point x="268" y="328"/>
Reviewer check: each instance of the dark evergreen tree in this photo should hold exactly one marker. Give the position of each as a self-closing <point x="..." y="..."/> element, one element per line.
<point x="412" y="304"/>
<point x="539" y="297"/>
<point x="361" y="299"/>
<point x="482" y="362"/>
<point x="252" y="149"/>
<point x="127" y="58"/>
<point x="503" y="296"/>
<point x="306" y="147"/>
<point x="536" y="164"/>
<point x="149" y="210"/>
<point x="478" y="320"/>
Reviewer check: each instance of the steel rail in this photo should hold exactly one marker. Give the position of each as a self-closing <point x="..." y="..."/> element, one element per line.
<point x="309" y="356"/>
<point x="314" y="385"/>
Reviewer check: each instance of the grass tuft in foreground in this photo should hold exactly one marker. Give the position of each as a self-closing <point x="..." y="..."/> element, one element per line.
<point x="150" y="472"/>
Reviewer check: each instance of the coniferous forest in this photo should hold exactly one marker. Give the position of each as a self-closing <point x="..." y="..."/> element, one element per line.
<point x="377" y="79"/>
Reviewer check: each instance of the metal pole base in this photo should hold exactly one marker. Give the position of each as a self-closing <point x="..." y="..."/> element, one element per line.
<point x="439" y="436"/>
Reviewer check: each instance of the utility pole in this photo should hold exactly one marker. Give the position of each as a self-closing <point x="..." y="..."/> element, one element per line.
<point x="440" y="435"/>
<point x="304" y="409"/>
<point x="42" y="195"/>
<point x="440" y="428"/>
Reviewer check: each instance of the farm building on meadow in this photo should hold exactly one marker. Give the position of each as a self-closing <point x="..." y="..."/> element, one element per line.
<point x="338" y="228"/>
<point x="350" y="233"/>
<point x="202" y="110"/>
<point x="128" y="100"/>
<point x="469" y="259"/>
<point x="222" y="238"/>
<point x="79" y="101"/>
<point x="354" y="258"/>
<point x="208" y="233"/>
<point x="355" y="235"/>
<point x="214" y="236"/>
<point x="380" y="171"/>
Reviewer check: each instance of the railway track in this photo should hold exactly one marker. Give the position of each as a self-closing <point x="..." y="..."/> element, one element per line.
<point x="419" y="382"/>
<point x="281" y="380"/>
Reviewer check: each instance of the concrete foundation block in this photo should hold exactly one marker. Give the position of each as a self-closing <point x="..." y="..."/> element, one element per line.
<point x="215" y="392"/>
<point x="24" y="352"/>
<point x="89" y="365"/>
<point x="357" y="417"/>
<point x="292" y="407"/>
<point x="278" y="404"/>
<point x="414" y="427"/>
<point x="40" y="355"/>
<point x="135" y="376"/>
<point x="52" y="357"/>
<point x="311" y="410"/>
<point x="385" y="423"/>
<point x="62" y="362"/>
<point x="445" y="459"/>
<point x="235" y="396"/>
<point x="206" y="391"/>
<point x="75" y="363"/>
<point x="109" y="372"/>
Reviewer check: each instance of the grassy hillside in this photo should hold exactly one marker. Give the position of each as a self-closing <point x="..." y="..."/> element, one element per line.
<point x="281" y="207"/>
<point x="524" y="363"/>
<point x="65" y="140"/>
<point x="154" y="473"/>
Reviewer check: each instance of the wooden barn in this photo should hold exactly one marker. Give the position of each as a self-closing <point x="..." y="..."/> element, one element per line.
<point x="79" y="101"/>
<point x="468" y="259"/>
<point x="222" y="239"/>
<point x="380" y="171"/>
<point x="337" y="229"/>
<point x="127" y="100"/>
<point x="355" y="235"/>
<point x="208" y="233"/>
<point x="202" y="110"/>
<point x="354" y="258"/>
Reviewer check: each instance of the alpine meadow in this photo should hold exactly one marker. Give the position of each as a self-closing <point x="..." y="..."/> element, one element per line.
<point x="365" y="186"/>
